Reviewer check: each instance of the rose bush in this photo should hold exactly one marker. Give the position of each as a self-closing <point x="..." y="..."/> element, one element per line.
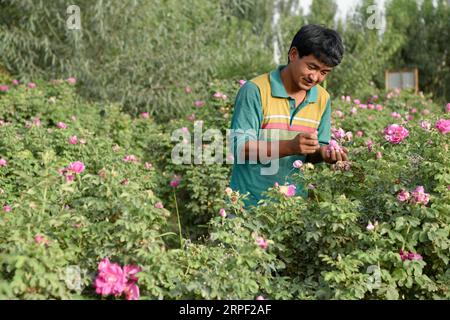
<point x="91" y="201"/>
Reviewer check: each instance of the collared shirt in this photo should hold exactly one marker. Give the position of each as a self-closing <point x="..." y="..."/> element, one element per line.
<point x="246" y="125"/>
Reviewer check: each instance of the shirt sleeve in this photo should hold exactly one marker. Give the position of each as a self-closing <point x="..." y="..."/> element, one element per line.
<point x="247" y="118"/>
<point x="324" y="132"/>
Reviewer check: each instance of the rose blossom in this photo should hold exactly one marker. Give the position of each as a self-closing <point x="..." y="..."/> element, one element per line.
<point x="222" y="213"/>
<point x="199" y="103"/>
<point x="403" y="196"/>
<point x="443" y="126"/>
<point x="76" y="167"/>
<point x="425" y="125"/>
<point x="263" y="244"/>
<point x="289" y="190"/>
<point x="73" y="140"/>
<point x="297" y="164"/>
<point x="72" y="81"/>
<point x="110" y="279"/>
<point x="419" y="196"/>
<point x="395" y="133"/>
<point x="61" y="125"/>
<point x="175" y="182"/>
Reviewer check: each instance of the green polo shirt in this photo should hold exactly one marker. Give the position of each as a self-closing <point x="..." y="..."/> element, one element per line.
<point x="247" y="120"/>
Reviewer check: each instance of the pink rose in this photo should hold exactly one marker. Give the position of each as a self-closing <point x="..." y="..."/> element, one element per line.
<point x="357" y="101"/>
<point x="72" y="81"/>
<point x="339" y="114"/>
<point x="369" y="144"/>
<point x="131" y="291"/>
<point x="414" y="256"/>
<point x="4" y="88"/>
<point x="288" y="191"/>
<point x="263" y="244"/>
<point x="403" y="255"/>
<point x="191" y="117"/>
<point x="447" y="109"/>
<point x="61" y="125"/>
<point x="379" y="155"/>
<point x="353" y="111"/>
<point x="199" y="103"/>
<point x="370" y="226"/>
<point x="15" y="82"/>
<point x="130" y="158"/>
<point x="297" y="164"/>
<point x="218" y="95"/>
<point x="425" y="125"/>
<point x="359" y="133"/>
<point x="188" y="89"/>
<point x="348" y="99"/>
<point x="148" y="165"/>
<point x="175" y="182"/>
<point x="337" y="133"/>
<point x="31" y="85"/>
<point x="379" y="107"/>
<point x="222" y="213"/>
<point x="73" y="140"/>
<point x="76" y="167"/>
<point x="131" y="271"/>
<point x="395" y="133"/>
<point x="3" y="162"/>
<point x="7" y="208"/>
<point x="260" y="298"/>
<point x="144" y="115"/>
<point x="159" y="205"/>
<point x="39" y="239"/>
<point x="403" y="196"/>
<point x="443" y="126"/>
<point x="242" y="82"/>
<point x="419" y="196"/>
<point x="228" y="191"/>
<point x="111" y="279"/>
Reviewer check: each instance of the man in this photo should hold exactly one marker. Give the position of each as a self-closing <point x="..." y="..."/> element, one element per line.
<point x="285" y="116"/>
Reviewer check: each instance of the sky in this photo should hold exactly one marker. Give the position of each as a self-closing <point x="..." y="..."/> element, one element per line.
<point x="344" y="6"/>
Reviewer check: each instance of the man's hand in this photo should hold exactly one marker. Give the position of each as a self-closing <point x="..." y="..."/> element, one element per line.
<point x="333" y="156"/>
<point x="305" y="143"/>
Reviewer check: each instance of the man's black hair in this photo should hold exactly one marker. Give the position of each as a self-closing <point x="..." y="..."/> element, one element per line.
<point x="325" y="44"/>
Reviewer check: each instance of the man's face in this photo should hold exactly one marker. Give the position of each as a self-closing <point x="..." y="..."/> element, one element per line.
<point x="307" y="71"/>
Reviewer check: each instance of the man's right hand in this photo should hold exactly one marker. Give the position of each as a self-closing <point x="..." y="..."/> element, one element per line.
<point x="305" y="143"/>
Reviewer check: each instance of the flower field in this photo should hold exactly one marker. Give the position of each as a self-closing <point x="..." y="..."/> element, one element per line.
<point x="94" y="208"/>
